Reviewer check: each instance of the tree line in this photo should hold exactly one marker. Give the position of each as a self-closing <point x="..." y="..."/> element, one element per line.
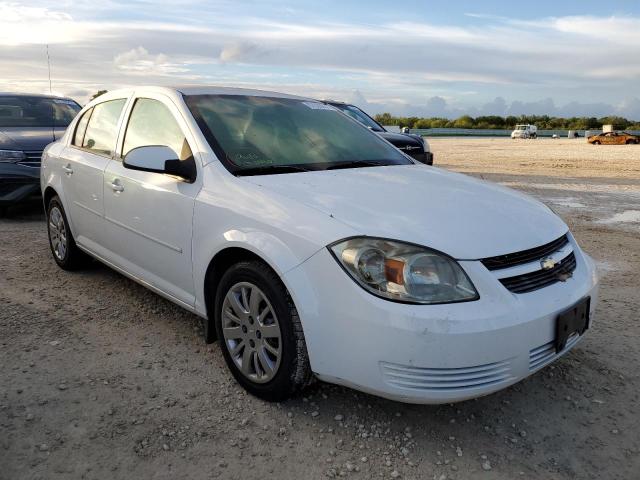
<point x="543" y="122"/>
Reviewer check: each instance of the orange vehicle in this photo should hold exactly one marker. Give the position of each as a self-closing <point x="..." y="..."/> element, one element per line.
<point x="614" y="138"/>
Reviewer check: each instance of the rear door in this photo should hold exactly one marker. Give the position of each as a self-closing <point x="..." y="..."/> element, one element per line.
<point x="148" y="216"/>
<point x="90" y="150"/>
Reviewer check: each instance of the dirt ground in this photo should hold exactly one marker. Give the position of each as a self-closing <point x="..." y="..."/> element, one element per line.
<point x="99" y="378"/>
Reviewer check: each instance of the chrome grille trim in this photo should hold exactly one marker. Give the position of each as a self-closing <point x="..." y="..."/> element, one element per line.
<point x="33" y="160"/>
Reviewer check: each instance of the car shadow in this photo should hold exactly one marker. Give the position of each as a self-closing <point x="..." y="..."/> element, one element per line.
<point x="23" y="212"/>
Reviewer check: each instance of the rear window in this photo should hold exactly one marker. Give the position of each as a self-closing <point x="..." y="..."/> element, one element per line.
<point x="81" y="127"/>
<point x="20" y="111"/>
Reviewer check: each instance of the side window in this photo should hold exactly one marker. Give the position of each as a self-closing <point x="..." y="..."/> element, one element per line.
<point x="151" y="123"/>
<point x="81" y="126"/>
<point x="102" y="130"/>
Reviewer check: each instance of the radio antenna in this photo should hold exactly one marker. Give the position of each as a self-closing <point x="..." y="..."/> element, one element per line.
<point x="53" y="115"/>
<point x="49" y="69"/>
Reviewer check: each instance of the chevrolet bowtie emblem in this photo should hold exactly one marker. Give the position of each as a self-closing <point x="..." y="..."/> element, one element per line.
<point x="547" y="263"/>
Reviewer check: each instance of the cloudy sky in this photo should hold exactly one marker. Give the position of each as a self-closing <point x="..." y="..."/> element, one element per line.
<point x="405" y="57"/>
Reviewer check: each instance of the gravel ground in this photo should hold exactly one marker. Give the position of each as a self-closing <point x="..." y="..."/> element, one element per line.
<point x="100" y="378"/>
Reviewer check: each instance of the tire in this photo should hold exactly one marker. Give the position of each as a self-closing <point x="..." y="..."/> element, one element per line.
<point x="597" y="142"/>
<point x="534" y="136"/>
<point x="63" y="247"/>
<point x="246" y="346"/>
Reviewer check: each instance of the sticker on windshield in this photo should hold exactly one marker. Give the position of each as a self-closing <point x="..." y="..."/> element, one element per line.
<point x="247" y="157"/>
<point x="318" y="106"/>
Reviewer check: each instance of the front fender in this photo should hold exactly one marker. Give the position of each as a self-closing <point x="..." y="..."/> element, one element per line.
<point x="243" y="215"/>
<point x="271" y="249"/>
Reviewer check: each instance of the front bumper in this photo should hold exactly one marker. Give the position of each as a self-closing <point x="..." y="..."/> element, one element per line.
<point x="423" y="157"/>
<point x="431" y="353"/>
<point x="18" y="183"/>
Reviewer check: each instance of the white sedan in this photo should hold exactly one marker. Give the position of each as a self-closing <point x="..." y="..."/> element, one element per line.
<point x="312" y="247"/>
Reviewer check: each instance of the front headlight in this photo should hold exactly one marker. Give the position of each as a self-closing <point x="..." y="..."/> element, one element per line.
<point x="11" y="156"/>
<point x="404" y="272"/>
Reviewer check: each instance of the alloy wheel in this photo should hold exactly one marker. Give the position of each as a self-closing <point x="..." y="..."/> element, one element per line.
<point x="58" y="233"/>
<point x="251" y="332"/>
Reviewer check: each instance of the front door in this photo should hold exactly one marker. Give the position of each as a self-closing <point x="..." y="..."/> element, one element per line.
<point x="148" y="216"/>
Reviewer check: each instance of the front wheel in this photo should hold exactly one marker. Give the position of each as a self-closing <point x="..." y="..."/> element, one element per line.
<point x="260" y="332"/>
<point x="596" y="143"/>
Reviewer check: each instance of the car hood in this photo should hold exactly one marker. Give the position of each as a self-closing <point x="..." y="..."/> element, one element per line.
<point x="400" y="139"/>
<point x="456" y="214"/>
<point x="29" y="138"/>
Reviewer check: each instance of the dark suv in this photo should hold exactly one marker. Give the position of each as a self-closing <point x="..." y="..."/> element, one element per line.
<point x="28" y="123"/>
<point x="413" y="145"/>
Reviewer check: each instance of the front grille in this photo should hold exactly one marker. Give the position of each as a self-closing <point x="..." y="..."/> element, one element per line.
<point x="525" y="256"/>
<point x="541" y="278"/>
<point x="34" y="157"/>
<point x="545" y="354"/>
<point x="446" y="379"/>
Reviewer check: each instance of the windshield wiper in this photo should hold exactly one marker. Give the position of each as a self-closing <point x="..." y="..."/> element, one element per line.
<point x="270" y="170"/>
<point x="355" y="164"/>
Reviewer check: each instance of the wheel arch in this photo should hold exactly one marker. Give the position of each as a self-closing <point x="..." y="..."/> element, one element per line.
<point x="218" y="265"/>
<point x="47" y="195"/>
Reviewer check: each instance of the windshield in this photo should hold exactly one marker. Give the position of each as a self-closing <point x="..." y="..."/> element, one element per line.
<point x="20" y="111"/>
<point x="257" y="135"/>
<point x="360" y="116"/>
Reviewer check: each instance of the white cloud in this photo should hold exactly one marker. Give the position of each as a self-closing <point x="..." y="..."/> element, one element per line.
<point x="139" y="60"/>
<point x="614" y="29"/>
<point x="20" y="25"/>
<point x="240" y="52"/>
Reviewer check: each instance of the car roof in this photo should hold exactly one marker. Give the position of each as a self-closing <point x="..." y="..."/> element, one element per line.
<point x="40" y="95"/>
<point x="218" y="90"/>
<point x="179" y="90"/>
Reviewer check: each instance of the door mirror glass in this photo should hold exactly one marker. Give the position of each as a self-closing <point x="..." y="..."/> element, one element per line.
<point x="151" y="158"/>
<point x="159" y="159"/>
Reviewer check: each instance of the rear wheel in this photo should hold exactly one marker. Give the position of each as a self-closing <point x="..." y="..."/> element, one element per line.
<point x="631" y="142"/>
<point x="63" y="247"/>
<point x="260" y="332"/>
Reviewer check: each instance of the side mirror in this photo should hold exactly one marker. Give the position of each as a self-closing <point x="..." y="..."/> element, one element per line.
<point x="160" y="159"/>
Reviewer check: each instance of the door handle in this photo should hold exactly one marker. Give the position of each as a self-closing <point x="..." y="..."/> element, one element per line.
<point x="116" y="186"/>
<point x="67" y="169"/>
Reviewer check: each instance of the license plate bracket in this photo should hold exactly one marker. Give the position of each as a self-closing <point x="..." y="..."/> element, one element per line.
<point x="572" y="320"/>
